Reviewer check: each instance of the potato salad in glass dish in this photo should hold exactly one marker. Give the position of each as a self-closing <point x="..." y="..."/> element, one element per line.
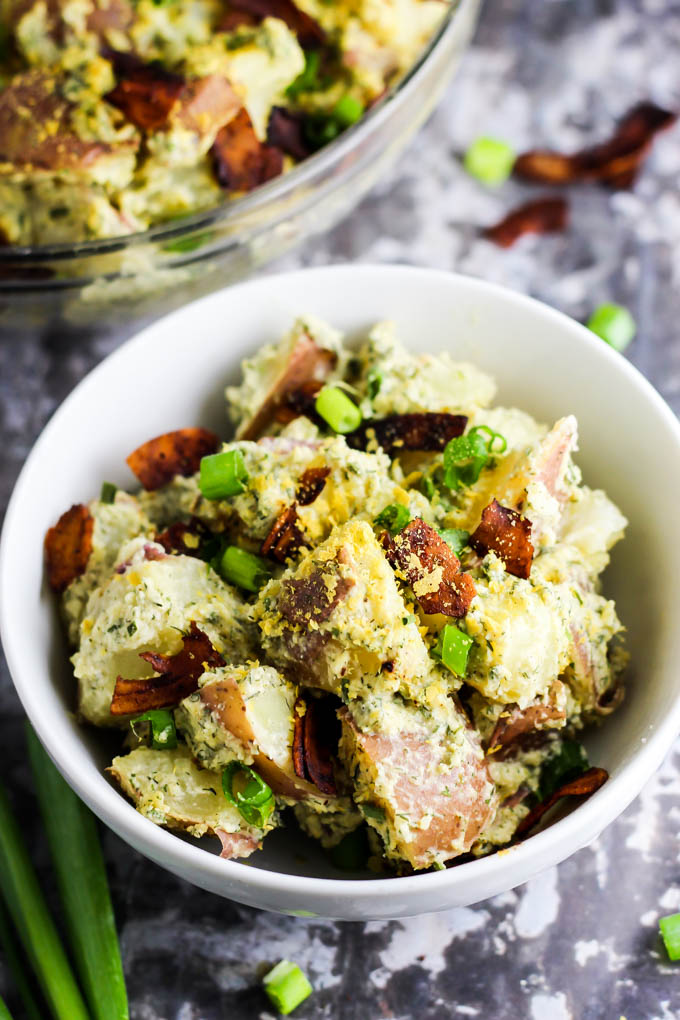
<point x="374" y="613"/>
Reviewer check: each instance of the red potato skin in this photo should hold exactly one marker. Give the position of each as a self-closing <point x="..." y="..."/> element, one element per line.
<point x="459" y="817"/>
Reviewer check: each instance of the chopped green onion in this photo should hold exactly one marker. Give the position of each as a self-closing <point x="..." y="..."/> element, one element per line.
<point x="351" y="853"/>
<point x="83" y="887"/>
<point x="222" y="474"/>
<point x="670" y="932"/>
<point x="243" y="568"/>
<point x="490" y="160"/>
<point x="16" y="967"/>
<point x="4" y="1012"/>
<point x="251" y="795"/>
<point x="427" y="486"/>
<point x="308" y="79"/>
<point x="374" y="381"/>
<point x="614" y="324"/>
<point x="335" y="407"/>
<point x="184" y="245"/>
<point x="373" y="811"/>
<point x="348" y="110"/>
<point x="108" y="493"/>
<point x="569" y="762"/>
<point x="455" y="538"/>
<point x="452" y="648"/>
<point x="286" y="986"/>
<point x="466" y="456"/>
<point x="394" y="517"/>
<point x="33" y="922"/>
<point x="162" y="725"/>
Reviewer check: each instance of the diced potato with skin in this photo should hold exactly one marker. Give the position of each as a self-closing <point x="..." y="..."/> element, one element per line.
<point x="593" y="524"/>
<point x="359" y="486"/>
<point x="339" y="620"/>
<point x="408" y="382"/>
<point x="306" y="352"/>
<point x="114" y="524"/>
<point x="246" y="713"/>
<point x="422" y="784"/>
<point x="169" y="789"/>
<point x="147" y="605"/>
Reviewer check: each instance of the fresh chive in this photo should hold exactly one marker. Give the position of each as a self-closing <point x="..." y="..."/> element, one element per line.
<point x="83" y="887"/>
<point x="348" y="110"/>
<point x="286" y="986"/>
<point x="466" y="456"/>
<point x="17" y="969"/>
<point x="394" y="517"/>
<point x="308" y="79"/>
<point x="568" y="763"/>
<point x="614" y="324"/>
<point x="222" y="475"/>
<point x="4" y="1012"/>
<point x="108" y="493"/>
<point x="670" y="933"/>
<point x="338" y="410"/>
<point x="243" y="568"/>
<point x="248" y="792"/>
<point x="373" y="811"/>
<point x="162" y="727"/>
<point x="490" y="160"/>
<point x="33" y="922"/>
<point x="351" y="853"/>
<point x="455" y="538"/>
<point x="453" y="648"/>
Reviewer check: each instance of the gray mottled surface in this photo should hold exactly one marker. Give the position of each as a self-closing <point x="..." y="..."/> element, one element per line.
<point x="580" y="941"/>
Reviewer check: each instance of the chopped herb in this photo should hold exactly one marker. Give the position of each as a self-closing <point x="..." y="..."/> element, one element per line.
<point x="308" y="79"/>
<point x="455" y="538"/>
<point x="373" y="811"/>
<point x="452" y="648"/>
<point x="162" y="728"/>
<point x="466" y="456"/>
<point x="373" y="383"/>
<point x="248" y="792"/>
<point x="131" y="628"/>
<point x="394" y="517"/>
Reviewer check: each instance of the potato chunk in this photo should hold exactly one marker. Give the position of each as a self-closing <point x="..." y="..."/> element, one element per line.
<point x="420" y="780"/>
<point x="246" y="713"/>
<point x="340" y="621"/>
<point x="168" y="788"/>
<point x="147" y="605"/>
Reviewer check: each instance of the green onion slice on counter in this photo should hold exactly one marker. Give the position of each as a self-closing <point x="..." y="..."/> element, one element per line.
<point x="466" y="456"/>
<point x="394" y="517"/>
<point x="490" y="160"/>
<point x="452" y="648"/>
<point x="614" y="324"/>
<point x="244" y="569"/>
<point x="670" y="933"/>
<point x="286" y="986"/>
<point x="162" y="726"/>
<point x="248" y="792"/>
<point x="222" y="475"/>
<point x="335" y="407"/>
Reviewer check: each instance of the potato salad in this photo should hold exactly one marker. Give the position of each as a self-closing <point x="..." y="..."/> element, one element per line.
<point x="116" y="115"/>
<point x="374" y="613"/>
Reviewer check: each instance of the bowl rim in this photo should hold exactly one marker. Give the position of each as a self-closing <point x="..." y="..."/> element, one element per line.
<point x="275" y="190"/>
<point x="578" y="828"/>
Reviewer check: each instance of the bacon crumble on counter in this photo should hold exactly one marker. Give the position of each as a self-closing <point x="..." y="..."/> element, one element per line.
<point x="540" y="216"/>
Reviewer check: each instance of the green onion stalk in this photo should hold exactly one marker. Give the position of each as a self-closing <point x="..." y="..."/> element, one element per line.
<point x="16" y="968"/>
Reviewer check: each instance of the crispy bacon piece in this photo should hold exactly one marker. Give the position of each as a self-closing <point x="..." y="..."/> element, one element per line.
<point x="540" y="216"/>
<point x="316" y="731"/>
<point x="309" y="32"/>
<point x="184" y="537"/>
<point x="583" y="786"/>
<point x="312" y="599"/>
<point x="157" y="461"/>
<point x="307" y="366"/>
<point x="516" y="724"/>
<point x="241" y="160"/>
<point x="311" y="484"/>
<point x="300" y="401"/>
<point x="508" y="534"/>
<point x="431" y="568"/>
<point x="428" y="430"/>
<point x="147" y="95"/>
<point x="178" y="676"/>
<point x="615" y="163"/>
<point x="68" y="546"/>
<point x="285" y="537"/>
<point x="285" y="130"/>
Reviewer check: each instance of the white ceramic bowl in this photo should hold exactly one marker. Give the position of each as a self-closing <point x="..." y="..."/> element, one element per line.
<point x="173" y="374"/>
